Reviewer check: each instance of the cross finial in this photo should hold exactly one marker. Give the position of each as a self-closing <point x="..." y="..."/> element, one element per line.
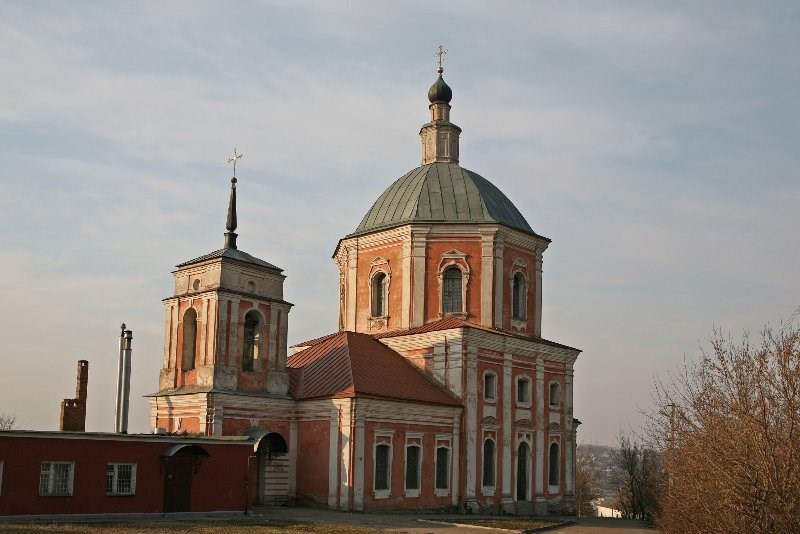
<point x="233" y="159"/>
<point x="440" y="58"/>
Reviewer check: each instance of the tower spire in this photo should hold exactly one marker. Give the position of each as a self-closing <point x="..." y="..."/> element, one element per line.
<point x="440" y="136"/>
<point x="231" y="223"/>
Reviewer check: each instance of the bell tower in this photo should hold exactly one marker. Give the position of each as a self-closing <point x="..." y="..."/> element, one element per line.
<point x="224" y="338"/>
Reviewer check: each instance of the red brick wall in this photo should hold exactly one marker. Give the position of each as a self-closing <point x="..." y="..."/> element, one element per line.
<point x="313" y="453"/>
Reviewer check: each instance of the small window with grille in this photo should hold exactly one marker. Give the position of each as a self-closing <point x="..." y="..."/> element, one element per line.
<point x="55" y="478"/>
<point x="121" y="479"/>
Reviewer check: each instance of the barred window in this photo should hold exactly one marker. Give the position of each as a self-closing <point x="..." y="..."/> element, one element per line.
<point x="412" y="467"/>
<point x="451" y="291"/>
<point x="55" y="478"/>
<point x="442" y="468"/>
<point x="382" y="467"/>
<point x="121" y="479"/>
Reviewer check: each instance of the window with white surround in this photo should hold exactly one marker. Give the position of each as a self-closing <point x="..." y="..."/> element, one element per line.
<point x="413" y="457"/>
<point x="120" y="479"/>
<point x="489" y="386"/>
<point x="379" y="294"/>
<point x="518" y="297"/>
<point x="442" y="469"/>
<point x="55" y="478"/>
<point x="555" y="394"/>
<point x="554" y="467"/>
<point x="488" y="463"/>
<point x="523" y="391"/>
<point x="382" y="453"/>
<point x="452" y="301"/>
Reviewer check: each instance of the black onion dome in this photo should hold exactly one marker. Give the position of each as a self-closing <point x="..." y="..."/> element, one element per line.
<point x="440" y="92"/>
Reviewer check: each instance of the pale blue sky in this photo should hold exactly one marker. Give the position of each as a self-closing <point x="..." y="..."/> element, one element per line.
<point x="656" y="143"/>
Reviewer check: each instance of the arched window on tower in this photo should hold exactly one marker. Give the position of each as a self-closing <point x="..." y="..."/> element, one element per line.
<point x="252" y="340"/>
<point x="518" y="300"/>
<point x="379" y="294"/>
<point x="451" y="291"/>
<point x="189" y="339"/>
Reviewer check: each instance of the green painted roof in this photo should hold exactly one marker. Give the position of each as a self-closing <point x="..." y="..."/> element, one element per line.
<point x="444" y="193"/>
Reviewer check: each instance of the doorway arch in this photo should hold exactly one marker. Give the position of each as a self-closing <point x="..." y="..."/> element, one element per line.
<point x="272" y="467"/>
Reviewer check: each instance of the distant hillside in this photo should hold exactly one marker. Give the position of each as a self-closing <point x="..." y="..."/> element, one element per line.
<point x="603" y="460"/>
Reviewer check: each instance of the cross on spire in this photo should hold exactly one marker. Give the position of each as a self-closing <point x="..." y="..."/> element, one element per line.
<point x="233" y="160"/>
<point x="440" y="55"/>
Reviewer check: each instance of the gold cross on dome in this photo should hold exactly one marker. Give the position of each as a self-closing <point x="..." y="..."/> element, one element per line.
<point x="440" y="55"/>
<point x="233" y="159"/>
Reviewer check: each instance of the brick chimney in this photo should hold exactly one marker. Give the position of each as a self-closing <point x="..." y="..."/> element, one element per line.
<point x="73" y="411"/>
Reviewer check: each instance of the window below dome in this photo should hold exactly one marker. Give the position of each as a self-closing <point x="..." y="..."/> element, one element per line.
<point x="452" y="301"/>
<point x="519" y="297"/>
<point x="380" y="295"/>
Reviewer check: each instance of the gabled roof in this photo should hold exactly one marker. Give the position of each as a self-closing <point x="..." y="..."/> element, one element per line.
<point x="233" y="254"/>
<point x="444" y="193"/>
<point x="449" y="323"/>
<point x="349" y="364"/>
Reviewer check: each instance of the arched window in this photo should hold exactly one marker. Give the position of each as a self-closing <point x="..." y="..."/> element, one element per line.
<point x="488" y="463"/>
<point x="189" y="339"/>
<point x="379" y="294"/>
<point x="555" y="467"/>
<point x="451" y="291"/>
<point x="518" y="297"/>
<point x="252" y="340"/>
<point x="382" y="458"/>
<point x="555" y="394"/>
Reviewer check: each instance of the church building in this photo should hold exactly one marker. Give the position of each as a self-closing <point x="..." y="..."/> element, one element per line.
<point x="438" y="390"/>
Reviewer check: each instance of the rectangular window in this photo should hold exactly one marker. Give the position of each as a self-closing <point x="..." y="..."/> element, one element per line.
<point x="489" y="386"/>
<point x="442" y="468"/>
<point x="412" y="467"/>
<point x="121" y="479"/>
<point x="523" y="391"/>
<point x="382" y="468"/>
<point x="55" y="478"/>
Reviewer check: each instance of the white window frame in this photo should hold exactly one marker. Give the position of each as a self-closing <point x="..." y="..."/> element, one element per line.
<point x="486" y="374"/>
<point x="488" y="491"/>
<point x="443" y="442"/>
<point x="554" y="488"/>
<point x="413" y="439"/>
<point x="382" y="437"/>
<point x="529" y="386"/>
<point x="557" y="403"/>
<point x="523" y="298"/>
<point x="115" y="479"/>
<point x="373" y="295"/>
<point x="48" y="491"/>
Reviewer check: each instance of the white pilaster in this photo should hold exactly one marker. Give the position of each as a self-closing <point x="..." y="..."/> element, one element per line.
<point x="333" y="460"/>
<point x="358" y="467"/>
<point x="508" y="390"/>
<point x="487" y="276"/>
<point x="537" y="319"/>
<point x="233" y="334"/>
<point x="419" y="240"/>
<point x="455" y="465"/>
<point x="293" y="458"/>
<point x="345" y="455"/>
<point x="540" y="505"/>
<point x="272" y="351"/>
<point x="569" y="448"/>
<point x="499" y="248"/>
<point x="471" y="428"/>
<point x="352" y="287"/>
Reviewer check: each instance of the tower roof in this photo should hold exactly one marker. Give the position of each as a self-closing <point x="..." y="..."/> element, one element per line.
<point x="442" y="193"/>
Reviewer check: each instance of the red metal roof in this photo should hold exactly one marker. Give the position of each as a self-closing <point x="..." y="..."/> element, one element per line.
<point x="349" y="364"/>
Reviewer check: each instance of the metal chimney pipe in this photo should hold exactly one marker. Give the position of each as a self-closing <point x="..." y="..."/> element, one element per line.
<point x="123" y="381"/>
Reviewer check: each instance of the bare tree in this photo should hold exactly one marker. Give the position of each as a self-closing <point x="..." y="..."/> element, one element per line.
<point x="7" y="422"/>
<point x="638" y="477"/>
<point x="586" y="482"/>
<point x="730" y="426"/>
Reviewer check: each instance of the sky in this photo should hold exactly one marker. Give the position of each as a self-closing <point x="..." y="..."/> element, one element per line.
<point x="656" y="143"/>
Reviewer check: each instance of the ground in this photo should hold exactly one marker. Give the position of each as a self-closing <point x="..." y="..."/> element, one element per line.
<point x="308" y="520"/>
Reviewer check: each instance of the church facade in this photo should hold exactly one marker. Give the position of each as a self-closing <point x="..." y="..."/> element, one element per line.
<point x="438" y="390"/>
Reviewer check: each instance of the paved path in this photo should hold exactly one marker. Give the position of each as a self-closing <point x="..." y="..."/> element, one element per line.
<point x="436" y="524"/>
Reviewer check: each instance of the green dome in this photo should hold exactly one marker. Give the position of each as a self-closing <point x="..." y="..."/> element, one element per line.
<point x="442" y="193"/>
